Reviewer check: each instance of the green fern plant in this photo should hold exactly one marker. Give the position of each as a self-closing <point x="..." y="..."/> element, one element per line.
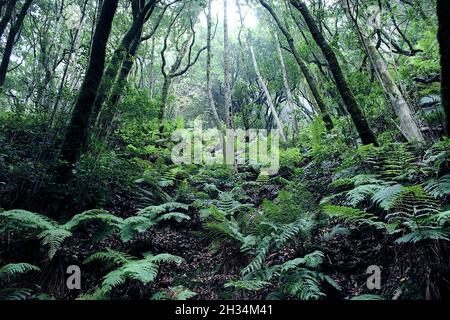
<point x="438" y="188"/>
<point x="51" y="233"/>
<point x="142" y="270"/>
<point x="353" y="216"/>
<point x="151" y="216"/>
<point x="10" y="272"/>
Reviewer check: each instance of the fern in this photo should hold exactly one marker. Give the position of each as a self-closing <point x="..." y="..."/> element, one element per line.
<point x="438" y="187"/>
<point x="353" y="216"/>
<point x="144" y="270"/>
<point x="250" y="285"/>
<point x="10" y="272"/>
<point x="385" y="197"/>
<point x="14" y="293"/>
<point x="52" y="234"/>
<point x="13" y="270"/>
<point x="425" y="234"/>
<point x="261" y="253"/>
<point x="149" y="217"/>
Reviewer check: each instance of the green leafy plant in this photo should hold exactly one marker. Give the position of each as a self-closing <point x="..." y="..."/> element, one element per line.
<point x="10" y="272"/>
<point x="142" y="270"/>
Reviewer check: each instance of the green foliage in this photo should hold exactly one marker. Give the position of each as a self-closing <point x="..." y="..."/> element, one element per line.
<point x="142" y="270"/>
<point x="52" y="234"/>
<point x="9" y="273"/>
<point x="438" y="187"/>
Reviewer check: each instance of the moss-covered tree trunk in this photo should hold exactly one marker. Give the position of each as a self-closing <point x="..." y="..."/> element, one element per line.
<point x="140" y="16"/>
<point x="82" y="111"/>
<point x="11" y="40"/>
<point x="443" y="13"/>
<point x="362" y="126"/>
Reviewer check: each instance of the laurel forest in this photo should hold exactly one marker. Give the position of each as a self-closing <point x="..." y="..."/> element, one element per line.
<point x="224" y="149"/>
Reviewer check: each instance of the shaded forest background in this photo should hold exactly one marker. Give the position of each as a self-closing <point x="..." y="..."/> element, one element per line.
<point x="91" y="92"/>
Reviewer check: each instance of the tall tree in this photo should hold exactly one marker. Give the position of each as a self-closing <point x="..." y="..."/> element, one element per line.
<point x="82" y="111"/>
<point x="303" y="67"/>
<point x="443" y="13"/>
<point x="362" y="126"/>
<point x="7" y="16"/>
<point x="262" y="84"/>
<point x="14" y="30"/>
<point x="176" y="69"/>
<point x="211" y="102"/>
<point x="229" y="156"/>
<point x="141" y="11"/>
<point x="408" y="124"/>
<point x="289" y="98"/>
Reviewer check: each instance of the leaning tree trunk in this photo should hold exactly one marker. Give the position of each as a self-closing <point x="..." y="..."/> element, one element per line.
<point x="443" y="13"/>
<point x="361" y="124"/>
<point x="268" y="96"/>
<point x="308" y="77"/>
<point x="408" y="124"/>
<point x="82" y="111"/>
<point x="287" y="88"/>
<point x="15" y="28"/>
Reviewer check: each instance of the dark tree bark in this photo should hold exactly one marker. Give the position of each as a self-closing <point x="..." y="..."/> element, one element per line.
<point x="308" y="77"/>
<point x="361" y="124"/>
<point x="15" y="28"/>
<point x="443" y="13"/>
<point x="78" y="127"/>
<point x="120" y="54"/>
<point x="7" y="16"/>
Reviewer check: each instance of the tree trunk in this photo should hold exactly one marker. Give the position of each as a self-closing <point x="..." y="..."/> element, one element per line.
<point x="443" y="13"/>
<point x="408" y="124"/>
<point x="361" y="124"/>
<point x="212" y="105"/>
<point x="15" y="28"/>
<point x="7" y="16"/>
<point x="120" y="55"/>
<point x="152" y="64"/>
<point x="290" y="100"/>
<point x="73" y="46"/>
<point x="82" y="111"/>
<point x="267" y="94"/>
<point x="229" y="155"/>
<point x="164" y="95"/>
<point x="308" y="77"/>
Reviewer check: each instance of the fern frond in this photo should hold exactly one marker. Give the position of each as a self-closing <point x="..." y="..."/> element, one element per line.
<point x="261" y="253"/>
<point x="385" y="197"/>
<point x="109" y="256"/>
<point x="438" y="187"/>
<point x="54" y="238"/>
<point x="164" y="257"/>
<point x="13" y="270"/>
<point x="250" y="285"/>
<point x="21" y="219"/>
<point x="14" y="293"/>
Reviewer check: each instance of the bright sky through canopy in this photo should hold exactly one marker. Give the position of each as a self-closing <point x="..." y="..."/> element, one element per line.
<point x="250" y="20"/>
